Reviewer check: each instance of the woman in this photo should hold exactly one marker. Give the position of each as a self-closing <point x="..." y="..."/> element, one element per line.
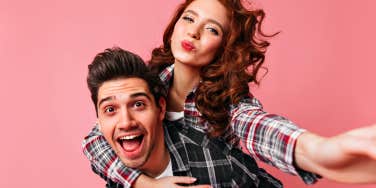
<point x="211" y="50"/>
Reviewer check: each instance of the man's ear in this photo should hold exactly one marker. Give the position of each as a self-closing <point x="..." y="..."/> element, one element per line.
<point x="162" y="106"/>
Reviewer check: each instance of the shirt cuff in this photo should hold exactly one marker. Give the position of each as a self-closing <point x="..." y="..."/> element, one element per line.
<point x="309" y="178"/>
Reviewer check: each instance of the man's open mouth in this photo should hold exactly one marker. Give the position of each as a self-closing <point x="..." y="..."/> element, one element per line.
<point x="131" y="143"/>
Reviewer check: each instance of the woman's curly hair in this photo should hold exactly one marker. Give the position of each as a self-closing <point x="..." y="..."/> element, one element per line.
<point x="237" y="62"/>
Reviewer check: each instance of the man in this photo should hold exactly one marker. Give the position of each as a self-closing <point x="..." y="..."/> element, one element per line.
<point x="130" y="106"/>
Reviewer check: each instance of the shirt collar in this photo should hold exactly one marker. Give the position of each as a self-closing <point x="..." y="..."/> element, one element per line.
<point x="167" y="76"/>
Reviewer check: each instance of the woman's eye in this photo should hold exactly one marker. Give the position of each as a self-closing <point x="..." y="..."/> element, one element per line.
<point x="109" y="109"/>
<point x="214" y="31"/>
<point x="188" y="19"/>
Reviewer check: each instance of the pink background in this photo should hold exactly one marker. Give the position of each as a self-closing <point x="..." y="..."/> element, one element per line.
<point x="320" y="75"/>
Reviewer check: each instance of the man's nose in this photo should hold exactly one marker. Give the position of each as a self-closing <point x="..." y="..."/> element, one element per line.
<point x="126" y="121"/>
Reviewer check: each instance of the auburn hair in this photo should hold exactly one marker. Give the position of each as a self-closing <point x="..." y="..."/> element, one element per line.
<point x="225" y="80"/>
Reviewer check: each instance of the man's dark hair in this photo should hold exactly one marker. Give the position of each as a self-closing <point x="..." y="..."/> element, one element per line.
<point x="115" y="63"/>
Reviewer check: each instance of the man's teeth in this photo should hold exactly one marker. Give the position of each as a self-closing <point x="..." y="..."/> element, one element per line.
<point x="130" y="137"/>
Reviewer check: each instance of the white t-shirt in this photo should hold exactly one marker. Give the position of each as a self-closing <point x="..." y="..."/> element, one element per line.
<point x="173" y="116"/>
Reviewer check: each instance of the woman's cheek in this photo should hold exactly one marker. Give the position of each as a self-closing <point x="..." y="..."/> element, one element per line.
<point x="211" y="47"/>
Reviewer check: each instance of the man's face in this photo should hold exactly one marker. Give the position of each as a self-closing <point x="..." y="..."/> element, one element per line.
<point x="130" y="120"/>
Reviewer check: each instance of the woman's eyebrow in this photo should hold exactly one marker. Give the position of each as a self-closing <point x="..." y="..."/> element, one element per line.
<point x="208" y="19"/>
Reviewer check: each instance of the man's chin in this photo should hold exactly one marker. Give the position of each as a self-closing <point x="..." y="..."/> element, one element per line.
<point x="136" y="164"/>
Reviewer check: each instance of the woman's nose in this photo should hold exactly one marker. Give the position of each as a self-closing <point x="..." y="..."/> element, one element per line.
<point x="194" y="32"/>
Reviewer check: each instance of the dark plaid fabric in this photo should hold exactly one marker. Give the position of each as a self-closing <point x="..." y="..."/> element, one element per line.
<point x="211" y="161"/>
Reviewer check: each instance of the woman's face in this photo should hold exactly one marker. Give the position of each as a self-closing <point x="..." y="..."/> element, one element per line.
<point x="199" y="32"/>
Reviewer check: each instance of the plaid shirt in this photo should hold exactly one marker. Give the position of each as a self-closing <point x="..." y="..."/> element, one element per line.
<point x="212" y="161"/>
<point x="267" y="137"/>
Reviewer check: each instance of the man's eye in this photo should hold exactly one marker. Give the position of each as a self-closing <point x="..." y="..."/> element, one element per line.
<point x="109" y="109"/>
<point x="188" y="19"/>
<point x="139" y="104"/>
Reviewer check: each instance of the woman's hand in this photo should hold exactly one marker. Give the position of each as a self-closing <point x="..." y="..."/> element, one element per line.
<point x="349" y="157"/>
<point x="171" y="181"/>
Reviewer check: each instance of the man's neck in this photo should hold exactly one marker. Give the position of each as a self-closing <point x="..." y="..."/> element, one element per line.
<point x="167" y="171"/>
<point x="158" y="160"/>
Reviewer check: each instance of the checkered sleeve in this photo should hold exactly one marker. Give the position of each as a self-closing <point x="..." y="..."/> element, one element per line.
<point x="104" y="160"/>
<point x="268" y="137"/>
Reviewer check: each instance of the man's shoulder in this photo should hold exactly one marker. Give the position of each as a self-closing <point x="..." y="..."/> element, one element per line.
<point x="178" y="131"/>
<point x="215" y="162"/>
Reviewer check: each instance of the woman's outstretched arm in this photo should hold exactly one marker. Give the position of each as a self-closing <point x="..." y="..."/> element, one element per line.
<point x="349" y="157"/>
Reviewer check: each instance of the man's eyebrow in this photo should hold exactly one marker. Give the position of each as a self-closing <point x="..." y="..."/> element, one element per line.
<point x="106" y="99"/>
<point x="210" y="20"/>
<point x="134" y="95"/>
